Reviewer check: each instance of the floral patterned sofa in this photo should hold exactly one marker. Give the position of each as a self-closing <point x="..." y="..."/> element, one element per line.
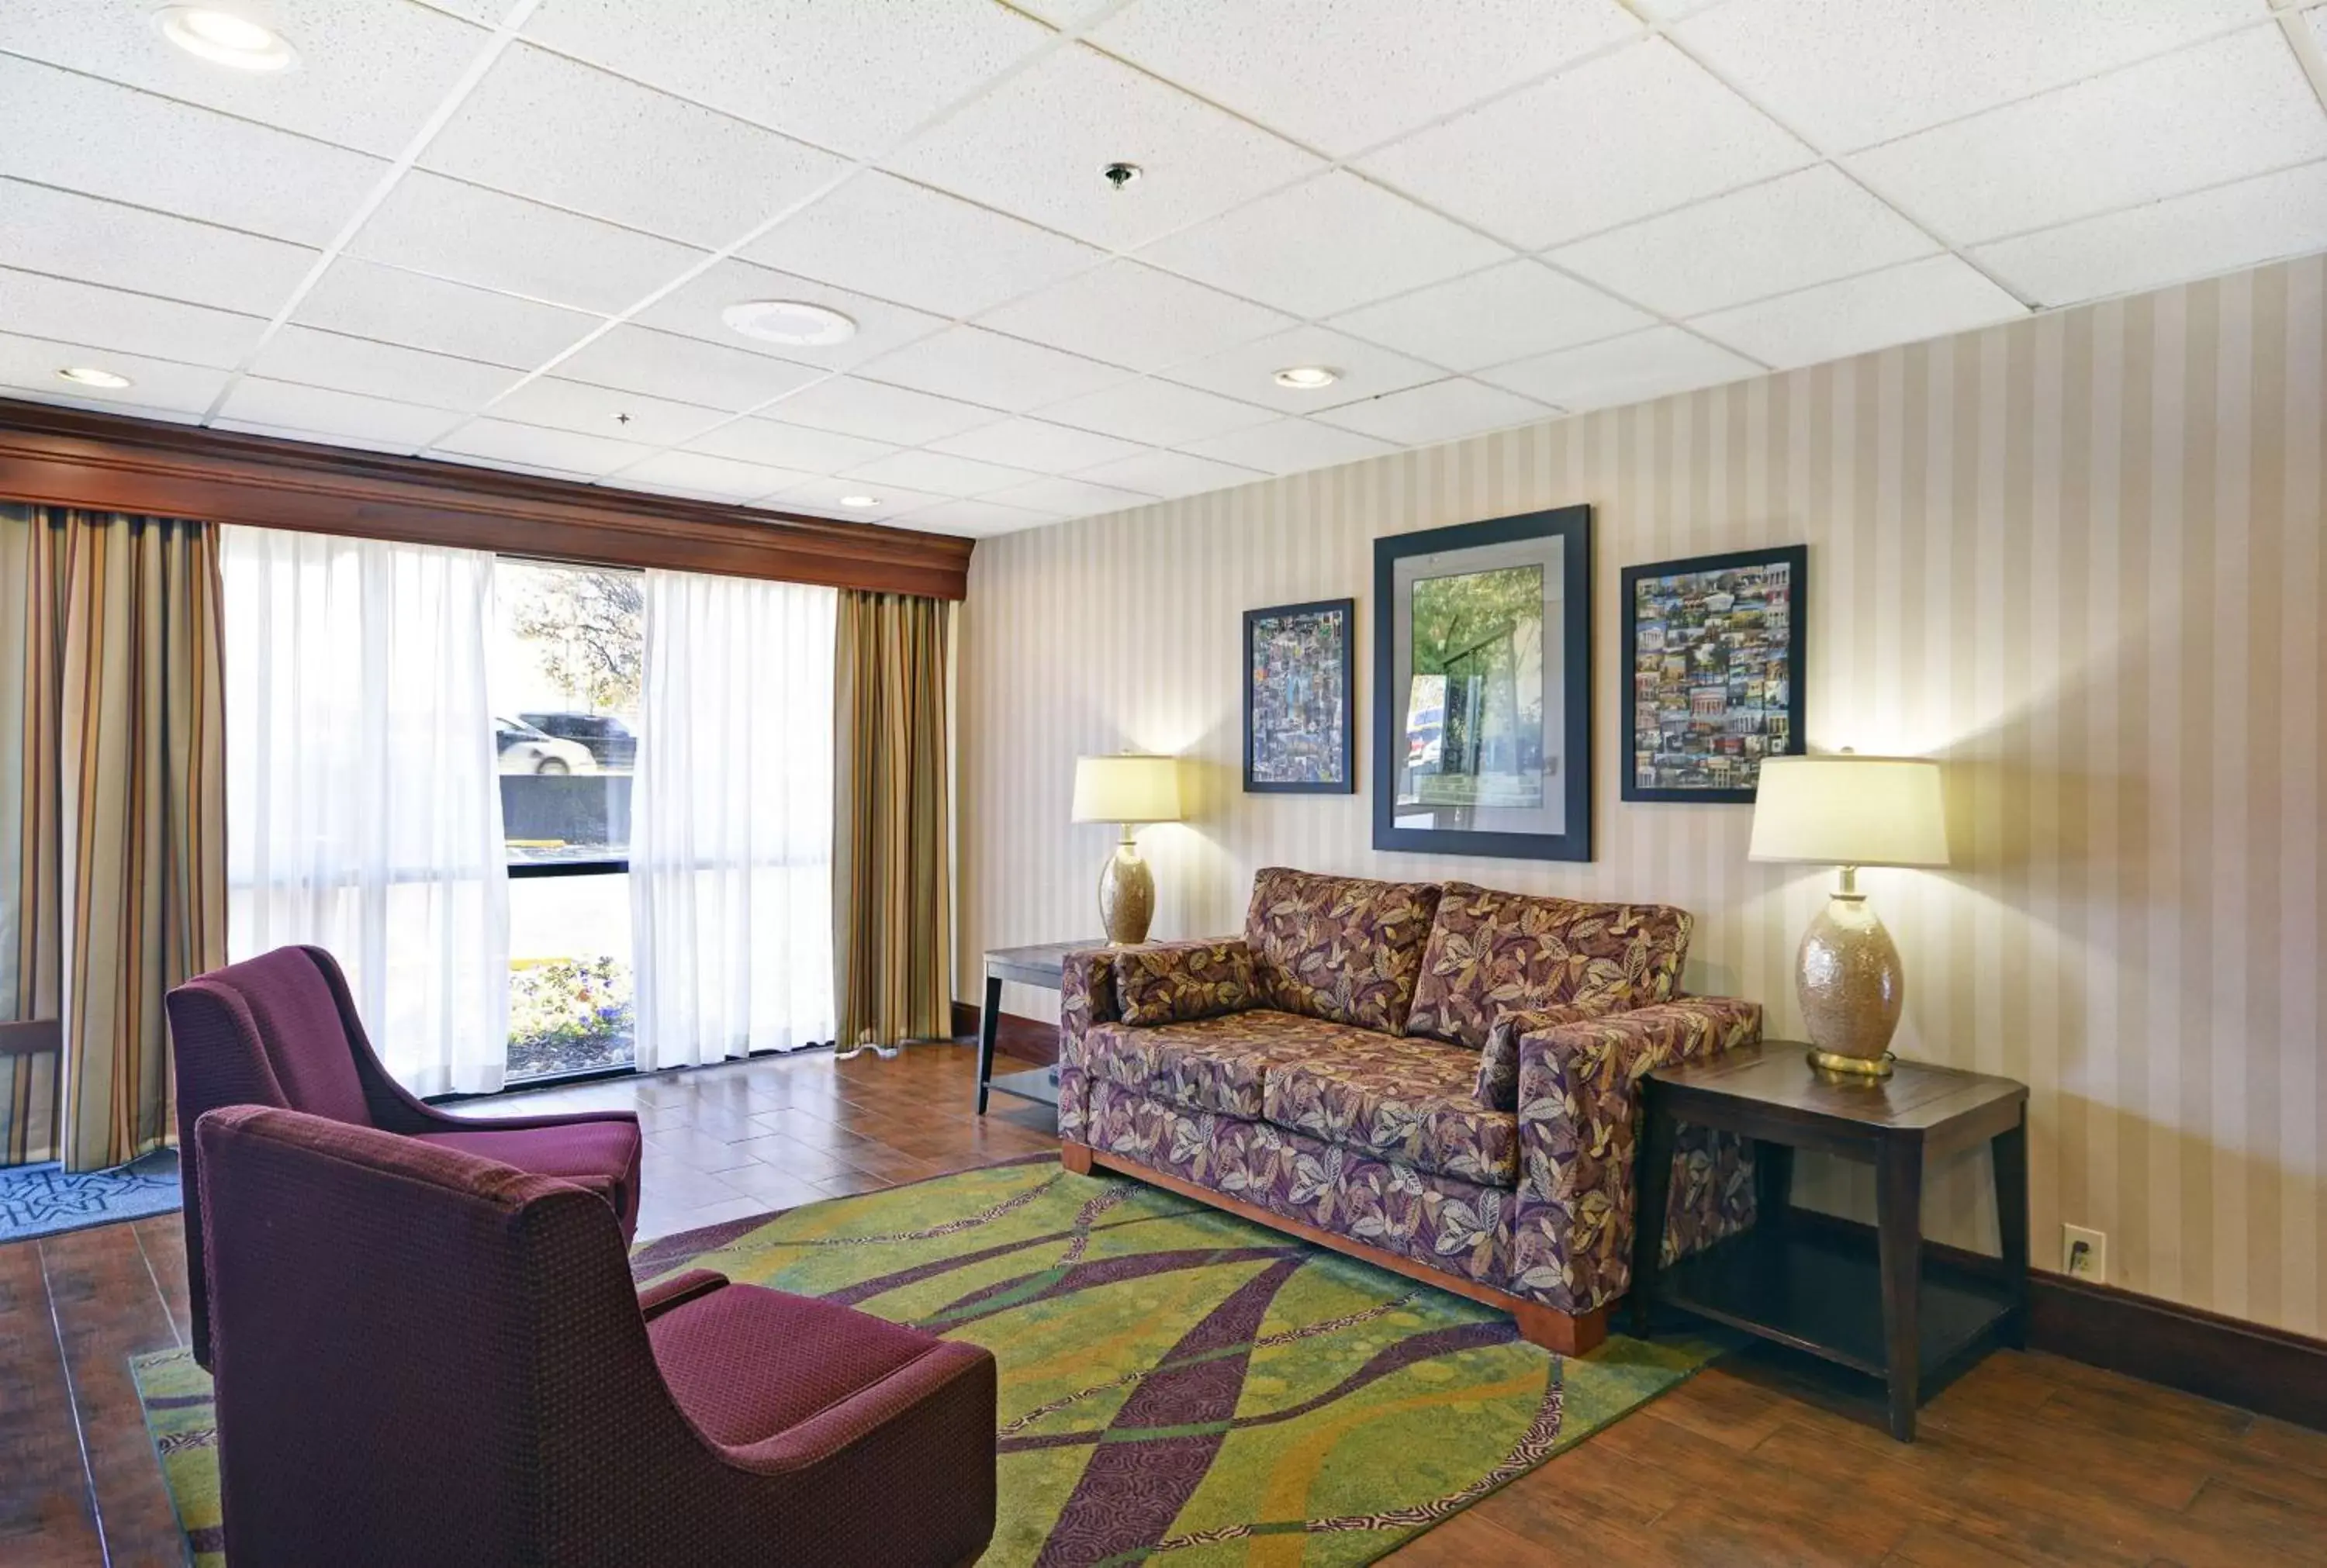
<point x="1436" y="1077"/>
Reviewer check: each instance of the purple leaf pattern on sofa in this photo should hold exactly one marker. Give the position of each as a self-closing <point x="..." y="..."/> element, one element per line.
<point x="1491" y="952"/>
<point x="1339" y="948"/>
<point x="1180" y="982"/>
<point x="1408" y="1100"/>
<point x="1579" y="1119"/>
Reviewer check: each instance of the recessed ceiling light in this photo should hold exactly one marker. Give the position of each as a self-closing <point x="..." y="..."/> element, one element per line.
<point x="792" y="321"/>
<point x="860" y="501"/>
<point x="90" y="376"/>
<point x="223" y="37"/>
<point x="1307" y="377"/>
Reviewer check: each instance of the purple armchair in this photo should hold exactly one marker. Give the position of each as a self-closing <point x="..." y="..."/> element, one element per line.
<point x="281" y="1030"/>
<point x="426" y="1357"/>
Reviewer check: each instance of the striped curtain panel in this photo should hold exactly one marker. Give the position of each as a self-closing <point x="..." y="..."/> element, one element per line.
<point x="115" y="881"/>
<point x="892" y="858"/>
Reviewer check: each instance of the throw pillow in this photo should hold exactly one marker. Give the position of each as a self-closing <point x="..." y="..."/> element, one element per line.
<point x="1180" y="981"/>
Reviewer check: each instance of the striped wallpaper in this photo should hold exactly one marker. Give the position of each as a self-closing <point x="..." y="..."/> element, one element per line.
<point x="2077" y="557"/>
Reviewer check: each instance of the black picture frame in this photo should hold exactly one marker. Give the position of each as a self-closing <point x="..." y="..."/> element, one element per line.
<point x="1347" y="760"/>
<point x="1572" y="526"/>
<point x="1795" y="560"/>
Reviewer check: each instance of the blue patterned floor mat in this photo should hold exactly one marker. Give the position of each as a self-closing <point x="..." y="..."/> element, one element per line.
<point x="42" y="1199"/>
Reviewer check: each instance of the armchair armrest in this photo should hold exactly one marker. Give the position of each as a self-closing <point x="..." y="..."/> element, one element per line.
<point x="1579" y="1119"/>
<point x="408" y="1115"/>
<point x="679" y="1289"/>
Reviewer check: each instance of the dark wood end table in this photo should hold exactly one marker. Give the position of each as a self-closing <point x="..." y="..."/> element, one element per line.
<point x="1043" y="966"/>
<point x="1814" y="1287"/>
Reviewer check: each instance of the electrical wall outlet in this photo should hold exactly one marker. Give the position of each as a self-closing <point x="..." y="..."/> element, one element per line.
<point x="2084" y="1254"/>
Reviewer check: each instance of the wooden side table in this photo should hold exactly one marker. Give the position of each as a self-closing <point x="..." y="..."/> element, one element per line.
<point x="1043" y="966"/>
<point x="1814" y="1287"/>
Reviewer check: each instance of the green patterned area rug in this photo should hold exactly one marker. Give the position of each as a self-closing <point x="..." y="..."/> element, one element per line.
<point x="1177" y="1384"/>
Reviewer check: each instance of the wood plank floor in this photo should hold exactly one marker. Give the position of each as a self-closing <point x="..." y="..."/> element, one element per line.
<point x="1760" y="1459"/>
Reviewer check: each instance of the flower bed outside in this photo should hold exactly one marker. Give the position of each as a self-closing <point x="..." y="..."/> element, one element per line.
<point x="568" y="1015"/>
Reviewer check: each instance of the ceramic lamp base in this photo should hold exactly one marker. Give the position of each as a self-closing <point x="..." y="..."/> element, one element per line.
<point x="1126" y="896"/>
<point x="1851" y="987"/>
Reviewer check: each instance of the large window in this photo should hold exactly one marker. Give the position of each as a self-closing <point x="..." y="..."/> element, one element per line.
<point x="565" y="660"/>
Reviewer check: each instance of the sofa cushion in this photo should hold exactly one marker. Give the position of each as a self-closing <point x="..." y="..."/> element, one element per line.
<point x="1180" y="982"/>
<point x="1211" y="1064"/>
<point x="1339" y="947"/>
<point x="1493" y="952"/>
<point x="1409" y="1100"/>
<point x="1499" y="1060"/>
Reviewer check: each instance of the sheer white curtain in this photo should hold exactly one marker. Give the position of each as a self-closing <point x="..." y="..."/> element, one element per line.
<point x="363" y="802"/>
<point x="731" y="820"/>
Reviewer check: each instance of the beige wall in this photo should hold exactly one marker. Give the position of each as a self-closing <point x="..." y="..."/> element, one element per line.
<point x="2077" y="557"/>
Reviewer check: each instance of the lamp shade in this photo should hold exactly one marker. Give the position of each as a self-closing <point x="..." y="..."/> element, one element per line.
<point x="1846" y="810"/>
<point x="1126" y="788"/>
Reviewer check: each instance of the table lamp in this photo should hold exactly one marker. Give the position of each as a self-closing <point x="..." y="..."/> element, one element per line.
<point x="1849" y="811"/>
<point x="1131" y="791"/>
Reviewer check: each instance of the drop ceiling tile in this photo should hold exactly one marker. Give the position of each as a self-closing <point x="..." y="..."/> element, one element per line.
<point x="368" y="76"/>
<point x="1522" y="307"/>
<point x="696" y="473"/>
<point x="322" y="414"/>
<point x="1290" y="446"/>
<point x="1036" y="444"/>
<point x="556" y="131"/>
<point x="29" y="367"/>
<point x="365" y="300"/>
<point x="1034" y="147"/>
<point x="79" y="312"/>
<point x="1785" y="234"/>
<point x="1618" y="139"/>
<point x="821" y="497"/>
<point x="1632" y="368"/>
<point x="535" y="447"/>
<point x="1129" y="314"/>
<point x="589" y="410"/>
<point x="694" y="309"/>
<point x="1250" y="372"/>
<point x="62" y="129"/>
<point x="1000" y="372"/>
<point x="902" y="241"/>
<point x="1070" y="497"/>
<point x="1170" y="473"/>
<point x="68" y="235"/>
<point x="1441" y="411"/>
<point x="1330" y="245"/>
<point x="937" y="473"/>
<point x="638" y="360"/>
<point x="2236" y="106"/>
<point x="1343" y="76"/>
<point x="1923" y="299"/>
<point x="487" y="12"/>
<point x="472" y="235"/>
<point x="793" y="446"/>
<point x="1159" y="413"/>
<point x="1851" y="72"/>
<point x="979" y="519"/>
<point x="848" y="76"/>
<point x="880" y="412"/>
<point x="341" y="442"/>
<point x="1065" y="13"/>
<point x="2213" y="231"/>
<point x="319" y="359"/>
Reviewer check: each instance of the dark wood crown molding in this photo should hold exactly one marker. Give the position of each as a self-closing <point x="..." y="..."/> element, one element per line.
<point x="112" y="463"/>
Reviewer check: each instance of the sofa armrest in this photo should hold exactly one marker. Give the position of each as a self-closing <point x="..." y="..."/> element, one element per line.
<point x="1497" y="1088"/>
<point x="1579" y="1111"/>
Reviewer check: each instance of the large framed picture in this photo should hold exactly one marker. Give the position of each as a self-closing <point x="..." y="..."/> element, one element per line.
<point x="1298" y="699"/>
<point x="1713" y="649"/>
<point x="1482" y="688"/>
